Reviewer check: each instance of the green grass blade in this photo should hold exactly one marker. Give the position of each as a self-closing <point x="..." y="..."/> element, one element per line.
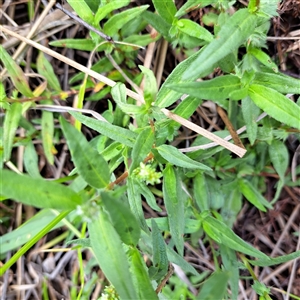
<point x="34" y="240"/>
<point x="11" y="122"/>
<point x="16" y="74"/>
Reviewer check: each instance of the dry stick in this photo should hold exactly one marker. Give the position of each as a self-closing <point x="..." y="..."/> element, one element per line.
<point x="166" y="278"/>
<point x="86" y="25"/>
<point x="236" y="139"/>
<point x="235" y="149"/>
<point x="31" y="32"/>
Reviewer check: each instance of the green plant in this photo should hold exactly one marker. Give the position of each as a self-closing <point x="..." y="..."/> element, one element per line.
<point x="202" y="191"/>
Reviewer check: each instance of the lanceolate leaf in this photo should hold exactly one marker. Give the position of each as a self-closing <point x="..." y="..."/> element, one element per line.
<point x="226" y="236"/>
<point x="250" y="113"/>
<point x="214" y="287"/>
<point x="45" y="68"/>
<point x="175" y="157"/>
<point x="135" y="202"/>
<point x="109" y="7"/>
<point x="276" y="105"/>
<point x="193" y="29"/>
<point x="90" y="164"/>
<point x="166" y="9"/>
<point x="232" y="35"/>
<point x="275" y="261"/>
<point x="279" y="156"/>
<point x="110" y="254"/>
<point x="83" y="10"/>
<point x="37" y="192"/>
<point x="119" y="20"/>
<point x="142" y="147"/>
<point x="174" y="205"/>
<point x="253" y="196"/>
<point x="138" y="269"/>
<point x="122" y="219"/>
<point x="16" y="74"/>
<point x="11" y="122"/>
<point x="215" y="89"/>
<point x="116" y="133"/>
<point x="193" y="4"/>
<point x="47" y="135"/>
<point x="160" y="259"/>
<point x="279" y="82"/>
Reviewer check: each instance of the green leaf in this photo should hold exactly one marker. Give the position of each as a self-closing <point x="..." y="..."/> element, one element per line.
<point x="78" y="44"/>
<point x="31" y="161"/>
<point x="122" y="219"/>
<point x="232" y="35"/>
<point x="150" y="89"/>
<point x="174" y="206"/>
<point x="200" y="192"/>
<point x="222" y="234"/>
<point x="263" y="58"/>
<point x="135" y="201"/>
<point x="111" y="257"/>
<point x="253" y="196"/>
<point x="37" y="192"/>
<point x="21" y="235"/>
<point x="231" y="265"/>
<point x="142" y="147"/>
<point x="275" y="261"/>
<point x="276" y="105"/>
<point x="148" y="195"/>
<point x="104" y="10"/>
<point x="116" y="133"/>
<point x="191" y="5"/>
<point x="279" y="156"/>
<point x="160" y="259"/>
<point x="47" y="135"/>
<point x="166" y="9"/>
<point x="45" y="68"/>
<point x="193" y="29"/>
<point x="158" y="23"/>
<point x="83" y="10"/>
<point x="90" y="164"/>
<point x="175" y="157"/>
<point x="15" y="73"/>
<point x="214" y="287"/>
<point x="118" y="93"/>
<point x="119" y="20"/>
<point x="282" y="83"/>
<point x="215" y="89"/>
<point x="142" y="282"/>
<point x="175" y="258"/>
<point x="250" y="113"/>
<point x="11" y="122"/>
